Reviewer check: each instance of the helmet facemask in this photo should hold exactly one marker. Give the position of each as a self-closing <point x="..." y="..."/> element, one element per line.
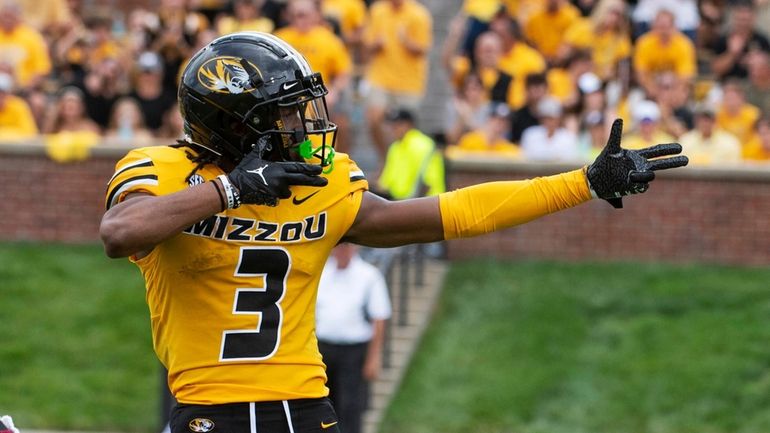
<point x="298" y="122"/>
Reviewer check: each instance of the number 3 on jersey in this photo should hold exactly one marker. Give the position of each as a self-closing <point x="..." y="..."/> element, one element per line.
<point x="272" y="264"/>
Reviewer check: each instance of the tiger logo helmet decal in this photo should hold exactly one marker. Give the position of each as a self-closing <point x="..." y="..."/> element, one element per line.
<point x="225" y="75"/>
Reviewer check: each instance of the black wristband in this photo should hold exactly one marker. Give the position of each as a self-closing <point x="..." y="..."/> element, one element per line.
<point x="221" y="196"/>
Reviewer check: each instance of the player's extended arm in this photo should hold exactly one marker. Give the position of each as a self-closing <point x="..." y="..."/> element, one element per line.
<point x="487" y="207"/>
<point x="142" y="221"/>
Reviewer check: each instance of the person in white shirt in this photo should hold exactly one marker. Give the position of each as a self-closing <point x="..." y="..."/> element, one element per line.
<point x="351" y="311"/>
<point x="549" y="141"/>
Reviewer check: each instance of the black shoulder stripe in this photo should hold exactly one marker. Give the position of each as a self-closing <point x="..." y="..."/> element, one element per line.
<point x="147" y="179"/>
<point x="147" y="162"/>
<point x="357" y="175"/>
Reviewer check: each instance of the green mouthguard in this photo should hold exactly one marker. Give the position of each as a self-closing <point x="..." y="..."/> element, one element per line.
<point x="305" y="150"/>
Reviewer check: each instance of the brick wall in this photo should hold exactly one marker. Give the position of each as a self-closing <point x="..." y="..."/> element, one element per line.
<point x="47" y="201"/>
<point x="720" y="216"/>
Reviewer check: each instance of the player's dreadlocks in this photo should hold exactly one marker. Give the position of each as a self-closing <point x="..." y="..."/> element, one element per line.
<point x="203" y="157"/>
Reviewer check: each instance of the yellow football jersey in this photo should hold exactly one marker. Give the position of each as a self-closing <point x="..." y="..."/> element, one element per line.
<point x="232" y="298"/>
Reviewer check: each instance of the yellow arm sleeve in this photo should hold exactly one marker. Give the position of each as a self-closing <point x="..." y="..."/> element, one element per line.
<point x="492" y="206"/>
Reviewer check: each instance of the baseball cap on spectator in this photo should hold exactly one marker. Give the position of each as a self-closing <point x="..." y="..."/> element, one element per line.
<point x="6" y="82"/>
<point x="549" y="107"/>
<point x="149" y="61"/>
<point x="499" y="109"/>
<point x="646" y="111"/>
<point x="589" y="83"/>
<point x="399" y="114"/>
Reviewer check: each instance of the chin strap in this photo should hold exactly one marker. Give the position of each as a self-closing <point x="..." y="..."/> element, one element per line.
<point x="306" y="151"/>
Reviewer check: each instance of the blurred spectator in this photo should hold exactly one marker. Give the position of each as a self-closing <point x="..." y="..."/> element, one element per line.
<point x="546" y="28"/>
<point x="712" y="13"/>
<point x="592" y="98"/>
<point x="326" y="54"/>
<point x="758" y="87"/>
<point x="646" y="129"/>
<point x="672" y="99"/>
<point x="70" y="52"/>
<point x="39" y="102"/>
<point x="562" y="82"/>
<point x="497" y="84"/>
<point x="735" y="115"/>
<point x="69" y="114"/>
<point x="472" y="21"/>
<point x="70" y="133"/>
<point x="593" y="135"/>
<point x="685" y="13"/>
<point x="398" y="39"/>
<point x="350" y="15"/>
<point x="707" y="144"/>
<point x="153" y="97"/>
<point x="127" y="124"/>
<point x="536" y="88"/>
<point x="102" y="45"/>
<point x="518" y="59"/>
<point x="550" y="140"/>
<point x="522" y="9"/>
<point x="22" y="48"/>
<point x="733" y="48"/>
<point x="137" y="36"/>
<point x="274" y="9"/>
<point x="16" y="120"/>
<point x="203" y="38"/>
<point x="663" y="49"/>
<point x="491" y="137"/>
<point x="211" y="9"/>
<point x="413" y="167"/>
<point x="586" y="7"/>
<point x="758" y="147"/>
<point x="50" y="17"/>
<point x="247" y="16"/>
<point x="172" y="33"/>
<point x="468" y="110"/>
<point x="173" y="124"/>
<point x="104" y="84"/>
<point x="351" y="312"/>
<point x="605" y="35"/>
<point x="591" y="101"/>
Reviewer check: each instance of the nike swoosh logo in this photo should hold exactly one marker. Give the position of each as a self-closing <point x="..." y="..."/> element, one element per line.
<point x="299" y="201"/>
<point x="287" y="86"/>
<point x="325" y="426"/>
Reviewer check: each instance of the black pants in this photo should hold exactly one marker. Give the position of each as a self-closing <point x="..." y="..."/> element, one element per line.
<point x="349" y="391"/>
<point x="297" y="416"/>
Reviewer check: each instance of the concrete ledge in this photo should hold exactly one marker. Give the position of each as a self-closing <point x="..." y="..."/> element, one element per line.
<point x="749" y="170"/>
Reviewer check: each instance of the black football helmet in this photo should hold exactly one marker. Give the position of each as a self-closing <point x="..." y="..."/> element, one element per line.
<point x="252" y="90"/>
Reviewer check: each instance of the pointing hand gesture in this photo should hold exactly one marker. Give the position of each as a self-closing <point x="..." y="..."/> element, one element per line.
<point x="617" y="172"/>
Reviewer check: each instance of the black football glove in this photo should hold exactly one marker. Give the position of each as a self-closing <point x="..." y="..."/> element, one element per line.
<point x="617" y="172"/>
<point x="265" y="182"/>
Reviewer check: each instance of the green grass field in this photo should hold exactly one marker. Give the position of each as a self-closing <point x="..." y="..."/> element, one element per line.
<point x="545" y="347"/>
<point x="75" y="348"/>
<point x="519" y="347"/>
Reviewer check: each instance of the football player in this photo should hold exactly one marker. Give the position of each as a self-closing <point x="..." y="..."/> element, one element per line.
<point x="232" y="225"/>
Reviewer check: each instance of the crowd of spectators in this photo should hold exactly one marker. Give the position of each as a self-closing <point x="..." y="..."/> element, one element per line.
<point x="697" y="72"/>
<point x="531" y="79"/>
